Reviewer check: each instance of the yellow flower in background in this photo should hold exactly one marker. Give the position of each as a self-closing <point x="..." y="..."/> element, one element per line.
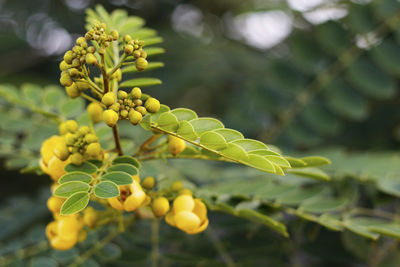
<point x="188" y="214"/>
<point x="131" y="197"/>
<point x="49" y="163"/>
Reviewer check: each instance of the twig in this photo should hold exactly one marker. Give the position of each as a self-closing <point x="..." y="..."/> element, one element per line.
<point x="117" y="140"/>
<point x="155" y="239"/>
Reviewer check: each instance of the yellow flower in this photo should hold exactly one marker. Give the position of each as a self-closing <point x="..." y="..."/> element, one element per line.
<point x="131" y="197"/>
<point x="49" y="162"/>
<point x="188" y="214"/>
<point x="65" y="232"/>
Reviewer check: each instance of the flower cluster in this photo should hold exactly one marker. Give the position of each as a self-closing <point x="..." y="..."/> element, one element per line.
<point x="128" y="106"/>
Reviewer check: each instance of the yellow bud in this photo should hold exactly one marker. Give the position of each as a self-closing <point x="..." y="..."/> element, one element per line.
<point x="175" y="145"/>
<point x="91" y="138"/>
<point x="91" y="59"/>
<point x="76" y="158"/>
<point x="143" y="53"/>
<point x="152" y="105"/>
<point x="124" y="113"/>
<point x="72" y="126"/>
<point x="187" y="221"/>
<point x="114" y="34"/>
<point x="73" y="72"/>
<point x="141" y="64"/>
<point x="54" y="204"/>
<point x="110" y="117"/>
<point x="108" y="99"/>
<point x="64" y="66"/>
<point x="65" y="79"/>
<point x="148" y="182"/>
<point x="82" y="85"/>
<point x="122" y="94"/>
<point x="93" y="149"/>
<point x="61" y="151"/>
<point x="81" y="40"/>
<point x="90" y="217"/>
<point x="73" y="91"/>
<point x="63" y="128"/>
<point x="186" y="191"/>
<point x="95" y="111"/>
<point x="136" y="93"/>
<point x="91" y="49"/>
<point x="160" y="206"/>
<point x="128" y="49"/>
<point x="135" y="117"/>
<point x="84" y="130"/>
<point x="68" y="57"/>
<point x="177" y="185"/>
<point x="183" y="202"/>
<point x="70" y="139"/>
<point x="68" y="228"/>
<point x="136" y="54"/>
<point x="142" y="110"/>
<point x="127" y="38"/>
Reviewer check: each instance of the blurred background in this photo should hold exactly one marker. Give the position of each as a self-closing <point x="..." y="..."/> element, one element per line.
<point x="300" y="74"/>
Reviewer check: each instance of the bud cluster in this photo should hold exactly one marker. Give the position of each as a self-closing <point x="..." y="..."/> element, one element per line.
<point x="80" y="144"/>
<point x="135" y="48"/>
<point x="128" y="106"/>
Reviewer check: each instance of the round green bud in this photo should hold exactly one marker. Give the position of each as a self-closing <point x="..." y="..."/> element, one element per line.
<point x="110" y="117"/>
<point x="80" y="41"/>
<point x="65" y="79"/>
<point x="108" y="99"/>
<point x="61" y="151"/>
<point x="143" y="53"/>
<point x="63" y="128"/>
<point x="68" y="57"/>
<point x="152" y="105"/>
<point x="91" y="138"/>
<point x="128" y="49"/>
<point x="93" y="150"/>
<point x="114" y="34"/>
<point x="72" y="126"/>
<point x="64" y="66"/>
<point x="84" y="130"/>
<point x="136" y="93"/>
<point x="73" y="91"/>
<point x="141" y="64"/>
<point x="136" y="54"/>
<point x="141" y="109"/>
<point x="127" y="38"/>
<point x="122" y="94"/>
<point x="76" y="158"/>
<point x="91" y="59"/>
<point x="135" y="117"/>
<point x="138" y="102"/>
<point x="148" y="182"/>
<point x="95" y="111"/>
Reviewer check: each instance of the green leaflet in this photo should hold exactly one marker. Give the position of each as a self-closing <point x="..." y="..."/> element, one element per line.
<point x="69" y="188"/>
<point x="124" y="167"/>
<point x="151" y="66"/>
<point x="75" y="203"/>
<point x="118" y="177"/>
<point x="184" y="114"/>
<point x="213" y="140"/>
<point x="85" y="167"/>
<point x="106" y="189"/>
<point x="75" y="176"/>
<point x="127" y="160"/>
<point x="140" y="82"/>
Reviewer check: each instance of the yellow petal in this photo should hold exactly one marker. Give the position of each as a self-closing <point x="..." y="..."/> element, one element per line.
<point x="200" y="209"/>
<point x="202" y="227"/>
<point x="115" y="203"/>
<point x="187" y="220"/>
<point x="183" y="202"/>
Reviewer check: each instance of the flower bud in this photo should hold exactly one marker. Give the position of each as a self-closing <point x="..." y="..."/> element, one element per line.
<point x="64" y="66"/>
<point x="183" y="203"/>
<point x="138" y="102"/>
<point x="61" y="151"/>
<point x="68" y="57"/>
<point x="62" y="128"/>
<point x="122" y="94"/>
<point x="91" y="49"/>
<point x="81" y="40"/>
<point x="76" y="158"/>
<point x="141" y="64"/>
<point x="135" y="117"/>
<point x="143" y="53"/>
<point x="177" y="185"/>
<point x="142" y="110"/>
<point x="95" y="111"/>
<point x="117" y="75"/>
<point x="108" y="99"/>
<point x="73" y="72"/>
<point x="124" y="114"/>
<point x="160" y="206"/>
<point x="136" y="54"/>
<point x="72" y="126"/>
<point x="73" y="91"/>
<point x="152" y="105"/>
<point x="84" y="130"/>
<point x="136" y="93"/>
<point x="114" y="34"/>
<point x="148" y="182"/>
<point x="110" y="117"/>
<point x="128" y="49"/>
<point x="54" y="204"/>
<point x="93" y="149"/>
<point x="175" y="145"/>
<point x="65" y="79"/>
<point x="127" y="38"/>
<point x="91" y="59"/>
<point x="91" y="138"/>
